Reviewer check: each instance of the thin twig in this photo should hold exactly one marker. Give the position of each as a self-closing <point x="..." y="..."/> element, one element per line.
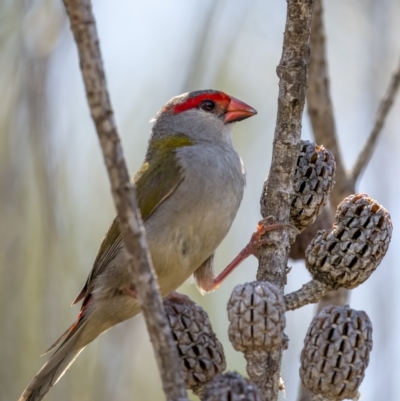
<point x="383" y="110"/>
<point x="84" y="29"/>
<point x="320" y="108"/>
<point x="309" y="293"/>
<point x="277" y="192"/>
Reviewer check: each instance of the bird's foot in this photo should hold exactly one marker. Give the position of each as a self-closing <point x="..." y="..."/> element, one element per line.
<point x="252" y="247"/>
<point x="256" y="239"/>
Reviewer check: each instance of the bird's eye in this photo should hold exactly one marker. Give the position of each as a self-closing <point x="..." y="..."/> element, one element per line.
<point x="207" y="105"/>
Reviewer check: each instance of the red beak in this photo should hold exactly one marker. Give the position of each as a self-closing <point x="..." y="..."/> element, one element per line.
<point x="238" y="111"/>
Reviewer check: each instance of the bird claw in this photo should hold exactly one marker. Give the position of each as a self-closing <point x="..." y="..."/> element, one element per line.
<point x="252" y="247"/>
<point x="263" y="227"/>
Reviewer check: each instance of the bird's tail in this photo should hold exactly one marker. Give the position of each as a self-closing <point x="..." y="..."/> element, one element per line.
<point x="68" y="348"/>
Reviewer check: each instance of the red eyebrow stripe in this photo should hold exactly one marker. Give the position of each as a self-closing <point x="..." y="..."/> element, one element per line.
<point x="195" y="101"/>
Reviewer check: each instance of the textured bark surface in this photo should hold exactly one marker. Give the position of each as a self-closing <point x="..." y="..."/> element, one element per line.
<point x="278" y="188"/>
<point x="84" y="29"/>
<point x="309" y="293"/>
<point x="292" y="71"/>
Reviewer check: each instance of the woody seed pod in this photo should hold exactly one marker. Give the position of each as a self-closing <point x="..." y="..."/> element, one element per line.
<point x="313" y="181"/>
<point x="336" y="352"/>
<point x="347" y="255"/>
<point x="201" y="353"/>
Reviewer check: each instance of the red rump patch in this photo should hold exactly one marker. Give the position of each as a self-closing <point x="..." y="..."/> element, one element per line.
<point x="194" y="102"/>
<point x="80" y="315"/>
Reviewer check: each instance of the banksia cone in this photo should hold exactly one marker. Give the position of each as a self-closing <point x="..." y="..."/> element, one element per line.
<point x="201" y="353"/>
<point x="323" y="222"/>
<point x="336" y="352"/>
<point x="348" y="254"/>
<point x="231" y="386"/>
<point x="256" y="312"/>
<point x="313" y="181"/>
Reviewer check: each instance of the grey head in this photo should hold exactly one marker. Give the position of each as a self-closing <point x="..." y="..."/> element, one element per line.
<point x="204" y="115"/>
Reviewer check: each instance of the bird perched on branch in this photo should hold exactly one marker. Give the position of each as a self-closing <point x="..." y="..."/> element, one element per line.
<point x="189" y="189"/>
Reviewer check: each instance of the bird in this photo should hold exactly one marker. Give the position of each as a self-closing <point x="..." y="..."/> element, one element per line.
<point x="189" y="189"/>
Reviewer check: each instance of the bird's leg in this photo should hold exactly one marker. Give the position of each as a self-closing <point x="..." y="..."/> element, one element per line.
<point x="251" y="248"/>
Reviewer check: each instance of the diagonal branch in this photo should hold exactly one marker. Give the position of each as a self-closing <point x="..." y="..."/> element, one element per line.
<point x="83" y="26"/>
<point x="383" y="110"/>
<point x="278" y="188"/>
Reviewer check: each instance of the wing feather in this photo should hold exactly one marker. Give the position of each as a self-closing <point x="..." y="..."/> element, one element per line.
<point x="155" y="182"/>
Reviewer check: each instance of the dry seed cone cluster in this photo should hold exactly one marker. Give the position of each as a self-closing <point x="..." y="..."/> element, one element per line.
<point x="339" y="340"/>
<point x="313" y="181"/>
<point x="336" y="352"/>
<point x="201" y="353"/>
<point x="256" y="312"/>
<point x="347" y="255"/>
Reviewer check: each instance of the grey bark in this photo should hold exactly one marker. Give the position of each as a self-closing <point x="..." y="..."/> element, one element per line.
<point x="292" y="71"/>
<point x="83" y="26"/>
<point x="309" y="293"/>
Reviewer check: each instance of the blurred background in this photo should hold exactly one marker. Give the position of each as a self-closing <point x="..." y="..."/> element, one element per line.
<point x="55" y="204"/>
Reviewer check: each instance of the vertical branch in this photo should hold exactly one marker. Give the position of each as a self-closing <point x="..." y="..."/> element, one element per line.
<point x="84" y="29"/>
<point x="277" y="192"/>
<point x="278" y="188"/>
<point x="320" y="108"/>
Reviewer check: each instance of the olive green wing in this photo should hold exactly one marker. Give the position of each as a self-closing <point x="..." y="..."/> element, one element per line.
<point x="155" y="182"/>
<point x="109" y="247"/>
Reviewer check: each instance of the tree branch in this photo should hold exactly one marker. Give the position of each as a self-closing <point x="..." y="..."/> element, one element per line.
<point x="278" y="188"/>
<point x="84" y="29"/>
<point x="383" y="110"/>
<point x="320" y="107"/>
<point x="309" y="293"/>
